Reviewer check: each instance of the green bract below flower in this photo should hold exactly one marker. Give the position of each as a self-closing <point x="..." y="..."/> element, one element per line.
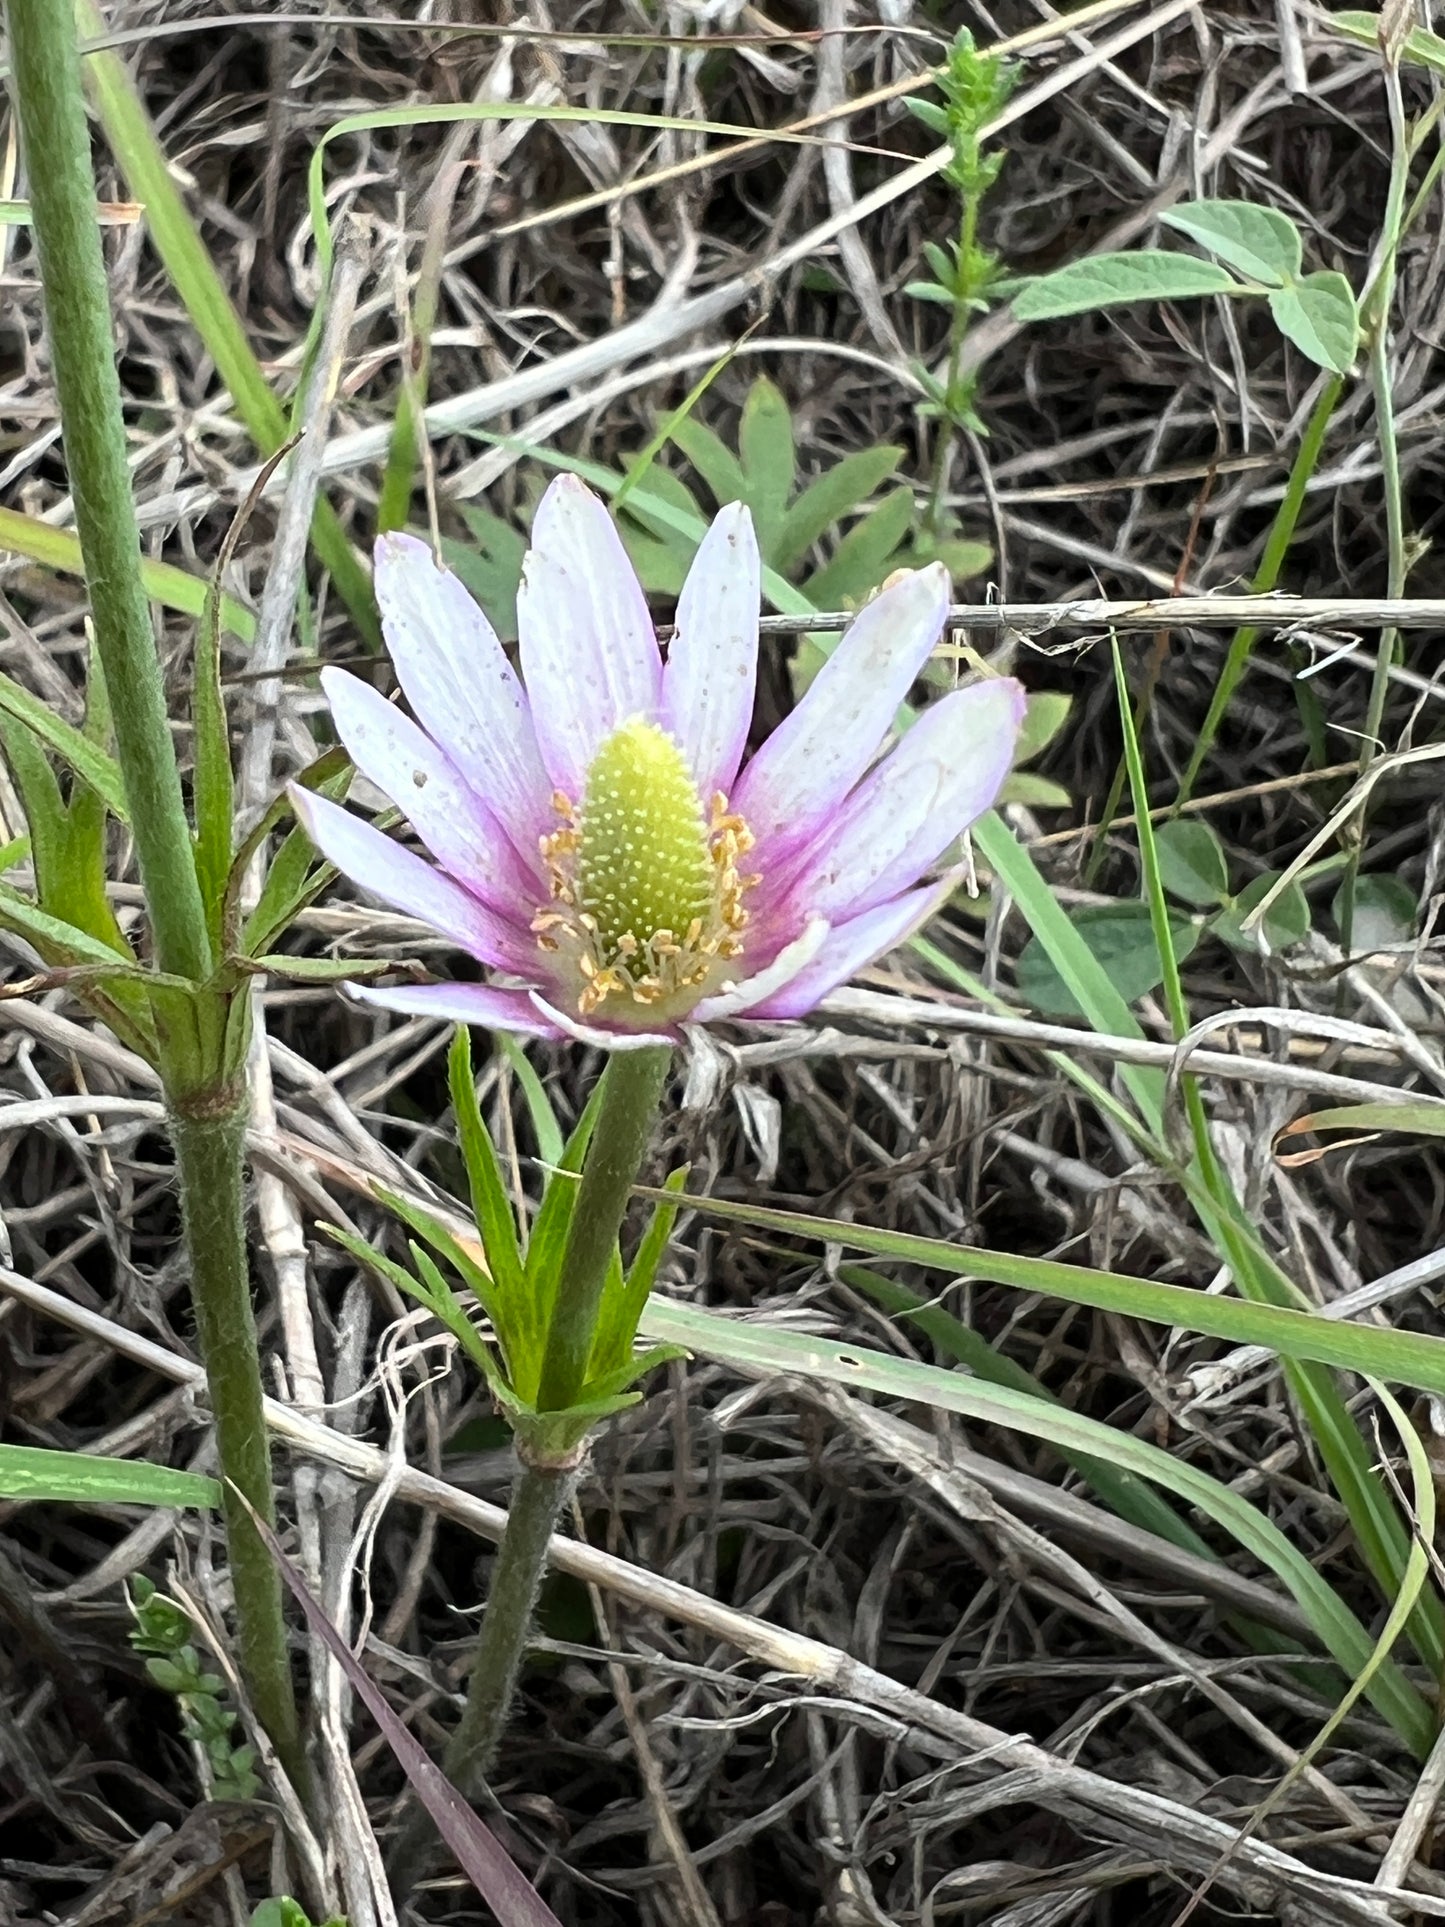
<point x="598" y="841"/>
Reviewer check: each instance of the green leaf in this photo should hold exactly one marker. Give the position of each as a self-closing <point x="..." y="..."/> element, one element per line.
<point x="213" y="780"/>
<point x="1419" y="1117"/>
<point x="1109" y="280"/>
<point x="765" y="449"/>
<point x="554" y="1215"/>
<point x="623" y="1299"/>
<point x="173" y="588"/>
<point x="513" y="1301"/>
<point x="1126" y="1494"/>
<point x="490" y="565"/>
<point x="1121" y="939"/>
<point x="1034" y="792"/>
<point x="1088" y="983"/>
<point x="836" y="493"/>
<point x="865" y="556"/>
<point x="930" y="114"/>
<point x="89" y="762"/>
<point x="713" y="460"/>
<point x="319" y="970"/>
<point x="290" y="881"/>
<point x="550" y="1142"/>
<point x="1287" y="920"/>
<point x="1192" y="863"/>
<point x="1045" y="714"/>
<point x="931" y="291"/>
<point x="1257" y="241"/>
<point x="1422" y="48"/>
<point x="1318" y="314"/>
<point x="1386" y="913"/>
<point x="32" y="1472"/>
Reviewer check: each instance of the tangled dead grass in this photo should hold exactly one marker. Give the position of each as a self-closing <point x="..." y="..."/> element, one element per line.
<point x="1021" y="1713"/>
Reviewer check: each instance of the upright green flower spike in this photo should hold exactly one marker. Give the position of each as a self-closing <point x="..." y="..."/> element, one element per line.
<point x="643" y="866"/>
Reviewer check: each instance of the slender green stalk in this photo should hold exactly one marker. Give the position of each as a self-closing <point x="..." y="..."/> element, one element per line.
<point x="631" y="1089"/>
<point x="210" y="1166"/>
<point x="537" y="1500"/>
<point x="51" y="109"/>
<point x="207" y="1121"/>
<point x="1266" y="576"/>
<point x="1377" y="321"/>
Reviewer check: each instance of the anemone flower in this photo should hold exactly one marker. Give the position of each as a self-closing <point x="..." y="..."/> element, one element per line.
<point x="599" y="842"/>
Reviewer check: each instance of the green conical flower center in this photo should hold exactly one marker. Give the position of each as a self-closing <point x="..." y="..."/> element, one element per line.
<point x="647" y="909"/>
<point x="643" y="866"/>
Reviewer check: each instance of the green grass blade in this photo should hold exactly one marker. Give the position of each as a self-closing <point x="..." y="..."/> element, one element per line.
<point x="761" y="1347"/>
<point x="32" y="1472"/>
<point x="1381" y="1535"/>
<point x="172" y="588"/>
<point x="1401" y="1358"/>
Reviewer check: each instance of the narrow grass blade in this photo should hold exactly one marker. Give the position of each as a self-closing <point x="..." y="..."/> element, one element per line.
<point x="765" y="1348"/>
<point x="172" y="588"/>
<point x="82" y="1478"/>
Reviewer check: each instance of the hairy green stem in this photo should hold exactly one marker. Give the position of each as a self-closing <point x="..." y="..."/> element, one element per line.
<point x="631" y="1090"/>
<point x="537" y="1500"/>
<point x="210" y="1168"/>
<point x="45" y="69"/>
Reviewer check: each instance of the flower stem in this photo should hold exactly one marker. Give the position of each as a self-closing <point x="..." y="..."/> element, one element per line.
<point x="45" y="67"/>
<point x="631" y="1089"/>
<point x="537" y="1499"/>
<point x="210" y="1167"/>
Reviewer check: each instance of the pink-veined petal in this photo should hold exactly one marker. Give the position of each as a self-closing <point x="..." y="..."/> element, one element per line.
<point x="383" y="868"/>
<point x="602" y="1036"/>
<point x="423" y="782"/>
<point x="815" y="756"/>
<point x="849" y="946"/>
<point x="792" y="958"/>
<point x="943" y="776"/>
<point x="485" y="1005"/>
<point x="712" y="661"/>
<point x="463" y="691"/>
<point x="589" y="652"/>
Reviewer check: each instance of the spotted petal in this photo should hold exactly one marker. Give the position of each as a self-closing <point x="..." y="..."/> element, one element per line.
<point x="849" y="946"/>
<point x="815" y="756"/>
<point x="422" y="781"/>
<point x="482" y="1004"/>
<point x="943" y="776"/>
<point x="589" y="652"/>
<point x="712" y="660"/>
<point x="462" y="690"/>
<point x="402" y="880"/>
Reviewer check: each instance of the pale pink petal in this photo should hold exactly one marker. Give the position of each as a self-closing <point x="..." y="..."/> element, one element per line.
<point x="712" y="660"/>
<point x="422" y="781"/>
<point x="943" y="776"/>
<point x="589" y="651"/>
<point x="852" y="945"/>
<point x="383" y="868"/>
<point x="462" y="690"/>
<point x="602" y="1036"/>
<point x="792" y="958"/>
<point x="482" y="1004"/>
<point x="815" y="756"/>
